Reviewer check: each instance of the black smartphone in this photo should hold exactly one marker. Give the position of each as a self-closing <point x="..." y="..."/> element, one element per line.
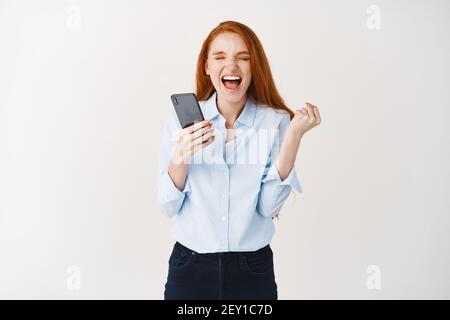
<point x="187" y="108"/>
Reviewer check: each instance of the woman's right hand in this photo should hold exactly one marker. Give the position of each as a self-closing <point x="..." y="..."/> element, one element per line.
<point x="191" y="139"/>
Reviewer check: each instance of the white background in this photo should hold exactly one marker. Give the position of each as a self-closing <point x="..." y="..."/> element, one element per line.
<point x="84" y="92"/>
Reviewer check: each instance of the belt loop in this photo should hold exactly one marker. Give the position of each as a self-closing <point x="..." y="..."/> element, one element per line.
<point x="241" y="260"/>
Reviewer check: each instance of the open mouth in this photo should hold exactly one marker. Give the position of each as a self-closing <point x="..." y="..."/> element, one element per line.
<point x="231" y="82"/>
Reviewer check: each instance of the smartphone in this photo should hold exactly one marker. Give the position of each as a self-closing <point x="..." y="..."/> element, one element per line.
<point x="187" y="108"/>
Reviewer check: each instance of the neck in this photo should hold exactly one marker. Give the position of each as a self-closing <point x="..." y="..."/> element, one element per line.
<point x="230" y="110"/>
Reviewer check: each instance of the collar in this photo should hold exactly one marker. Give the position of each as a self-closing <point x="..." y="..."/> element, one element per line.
<point x="246" y="117"/>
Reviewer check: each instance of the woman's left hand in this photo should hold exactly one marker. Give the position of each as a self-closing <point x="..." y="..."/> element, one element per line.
<point x="304" y="120"/>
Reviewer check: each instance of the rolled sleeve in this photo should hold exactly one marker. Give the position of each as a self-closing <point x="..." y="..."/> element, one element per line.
<point x="274" y="192"/>
<point x="291" y="180"/>
<point x="171" y="192"/>
<point x="170" y="198"/>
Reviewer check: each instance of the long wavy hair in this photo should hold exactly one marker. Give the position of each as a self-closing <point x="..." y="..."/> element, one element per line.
<point x="262" y="87"/>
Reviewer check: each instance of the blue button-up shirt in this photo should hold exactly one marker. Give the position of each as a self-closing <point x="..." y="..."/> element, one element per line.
<point x="232" y="189"/>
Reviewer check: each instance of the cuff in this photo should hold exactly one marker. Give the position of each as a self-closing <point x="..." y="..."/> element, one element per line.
<point x="291" y="179"/>
<point x="169" y="191"/>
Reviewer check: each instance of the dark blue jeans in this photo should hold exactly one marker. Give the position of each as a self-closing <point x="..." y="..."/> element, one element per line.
<point x="223" y="275"/>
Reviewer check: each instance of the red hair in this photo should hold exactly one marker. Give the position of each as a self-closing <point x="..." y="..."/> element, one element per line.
<point x="262" y="87"/>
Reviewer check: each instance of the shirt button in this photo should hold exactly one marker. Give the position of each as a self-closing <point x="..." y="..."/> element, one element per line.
<point x="224" y="218"/>
<point x="225" y="173"/>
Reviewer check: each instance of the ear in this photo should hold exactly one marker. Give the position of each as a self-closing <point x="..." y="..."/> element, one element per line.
<point x="206" y="68"/>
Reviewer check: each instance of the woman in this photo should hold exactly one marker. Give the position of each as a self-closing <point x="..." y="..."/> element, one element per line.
<point x="224" y="206"/>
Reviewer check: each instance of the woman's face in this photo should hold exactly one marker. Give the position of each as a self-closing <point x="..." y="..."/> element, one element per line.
<point x="228" y="66"/>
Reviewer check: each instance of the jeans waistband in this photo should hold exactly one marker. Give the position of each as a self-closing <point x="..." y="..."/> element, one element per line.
<point x="225" y="255"/>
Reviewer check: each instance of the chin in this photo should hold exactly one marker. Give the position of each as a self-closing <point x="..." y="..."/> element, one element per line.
<point x="232" y="97"/>
<point x="229" y="95"/>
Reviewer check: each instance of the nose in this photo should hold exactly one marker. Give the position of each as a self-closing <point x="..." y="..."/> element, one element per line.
<point x="231" y="63"/>
<point x="231" y="69"/>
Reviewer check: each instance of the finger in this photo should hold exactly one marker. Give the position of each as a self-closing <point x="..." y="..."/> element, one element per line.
<point x="203" y="145"/>
<point x="201" y="132"/>
<point x="304" y="112"/>
<point x="310" y="111"/>
<point x="188" y="137"/>
<point x="196" y="126"/>
<point x="208" y="142"/>
<point x="203" y="138"/>
<point x="317" y="114"/>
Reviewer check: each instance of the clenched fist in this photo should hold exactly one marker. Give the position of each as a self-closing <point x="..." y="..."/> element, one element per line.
<point x="304" y="120"/>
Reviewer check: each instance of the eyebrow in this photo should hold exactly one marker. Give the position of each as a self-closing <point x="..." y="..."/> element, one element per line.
<point x="221" y="52"/>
